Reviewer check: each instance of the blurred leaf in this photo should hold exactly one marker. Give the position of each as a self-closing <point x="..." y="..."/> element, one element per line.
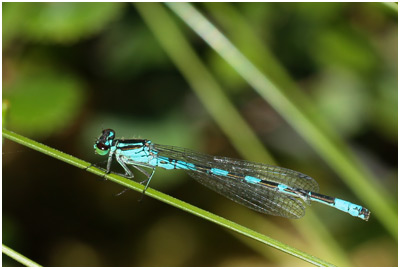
<point x="56" y="22"/>
<point x="43" y="100"/>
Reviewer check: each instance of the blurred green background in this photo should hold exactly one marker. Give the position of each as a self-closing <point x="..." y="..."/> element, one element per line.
<point x="71" y="69"/>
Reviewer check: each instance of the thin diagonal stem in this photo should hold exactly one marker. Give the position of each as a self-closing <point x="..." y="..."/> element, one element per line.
<point x="164" y="198"/>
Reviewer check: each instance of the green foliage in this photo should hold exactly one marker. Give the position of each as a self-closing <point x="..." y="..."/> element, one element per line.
<point x="43" y="100"/>
<point x="56" y="22"/>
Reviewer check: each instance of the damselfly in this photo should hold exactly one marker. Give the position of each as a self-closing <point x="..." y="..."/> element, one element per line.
<point x="265" y="188"/>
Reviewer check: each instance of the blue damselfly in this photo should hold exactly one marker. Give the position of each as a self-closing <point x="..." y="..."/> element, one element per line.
<point x="265" y="188"/>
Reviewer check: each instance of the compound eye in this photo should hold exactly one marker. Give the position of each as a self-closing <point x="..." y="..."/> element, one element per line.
<point x="101" y="148"/>
<point x="109" y="133"/>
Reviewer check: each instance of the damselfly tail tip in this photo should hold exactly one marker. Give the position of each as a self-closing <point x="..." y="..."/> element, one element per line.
<point x="364" y="214"/>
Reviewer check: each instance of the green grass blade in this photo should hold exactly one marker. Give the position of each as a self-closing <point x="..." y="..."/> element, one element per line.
<point x="18" y="257"/>
<point x="302" y="115"/>
<point x="164" y="198"/>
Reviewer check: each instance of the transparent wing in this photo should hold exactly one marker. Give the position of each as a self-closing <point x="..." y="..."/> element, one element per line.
<point x="255" y="196"/>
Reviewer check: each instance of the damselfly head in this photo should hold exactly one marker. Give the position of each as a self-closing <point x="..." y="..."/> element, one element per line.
<point x="104" y="142"/>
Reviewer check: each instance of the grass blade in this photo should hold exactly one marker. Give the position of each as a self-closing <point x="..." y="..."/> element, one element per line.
<point x="164" y="198"/>
<point x="18" y="257"/>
